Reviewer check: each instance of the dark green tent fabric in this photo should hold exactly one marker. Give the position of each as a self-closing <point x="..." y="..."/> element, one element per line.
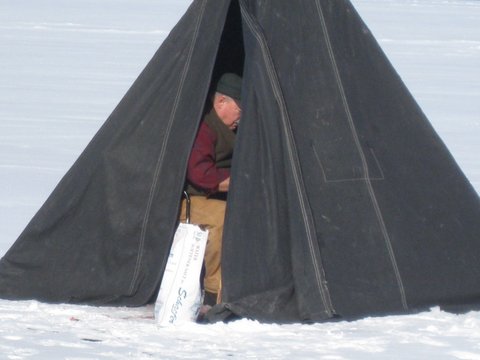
<point x="344" y="202"/>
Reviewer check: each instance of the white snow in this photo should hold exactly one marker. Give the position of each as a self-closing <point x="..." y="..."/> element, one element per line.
<point x="64" y="65"/>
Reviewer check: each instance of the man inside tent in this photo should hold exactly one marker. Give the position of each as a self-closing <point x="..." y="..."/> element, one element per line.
<point x="208" y="175"/>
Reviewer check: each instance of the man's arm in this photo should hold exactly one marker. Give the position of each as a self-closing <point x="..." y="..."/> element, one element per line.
<point x="202" y="171"/>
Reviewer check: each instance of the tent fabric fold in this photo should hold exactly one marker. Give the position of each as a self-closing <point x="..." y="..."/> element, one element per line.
<point x="344" y="202"/>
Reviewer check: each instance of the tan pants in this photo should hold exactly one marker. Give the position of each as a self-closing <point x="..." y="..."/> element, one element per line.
<point x="210" y="213"/>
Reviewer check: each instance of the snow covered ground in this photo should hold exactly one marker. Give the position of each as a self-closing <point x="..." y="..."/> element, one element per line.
<point x="64" y="65"/>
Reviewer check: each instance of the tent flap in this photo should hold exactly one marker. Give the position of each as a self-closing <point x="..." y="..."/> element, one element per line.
<point x="104" y="234"/>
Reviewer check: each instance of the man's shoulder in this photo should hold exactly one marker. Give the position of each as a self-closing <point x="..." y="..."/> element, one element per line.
<point x="216" y="125"/>
<point x="206" y="132"/>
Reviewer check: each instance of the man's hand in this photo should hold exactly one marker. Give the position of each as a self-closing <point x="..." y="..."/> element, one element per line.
<point x="223" y="186"/>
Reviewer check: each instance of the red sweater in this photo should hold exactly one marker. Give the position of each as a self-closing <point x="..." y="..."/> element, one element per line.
<point x="202" y="171"/>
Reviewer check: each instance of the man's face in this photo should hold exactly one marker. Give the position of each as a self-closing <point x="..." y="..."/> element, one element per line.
<point x="228" y="110"/>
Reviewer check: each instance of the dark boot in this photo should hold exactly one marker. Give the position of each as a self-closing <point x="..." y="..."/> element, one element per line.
<point x="210" y="298"/>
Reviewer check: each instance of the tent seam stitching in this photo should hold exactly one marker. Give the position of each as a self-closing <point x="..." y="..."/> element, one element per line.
<point x="274" y="82"/>
<point x="163" y="150"/>
<point x="367" y="179"/>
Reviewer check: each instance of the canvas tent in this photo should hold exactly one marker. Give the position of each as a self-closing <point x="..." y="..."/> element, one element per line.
<point x="344" y="201"/>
